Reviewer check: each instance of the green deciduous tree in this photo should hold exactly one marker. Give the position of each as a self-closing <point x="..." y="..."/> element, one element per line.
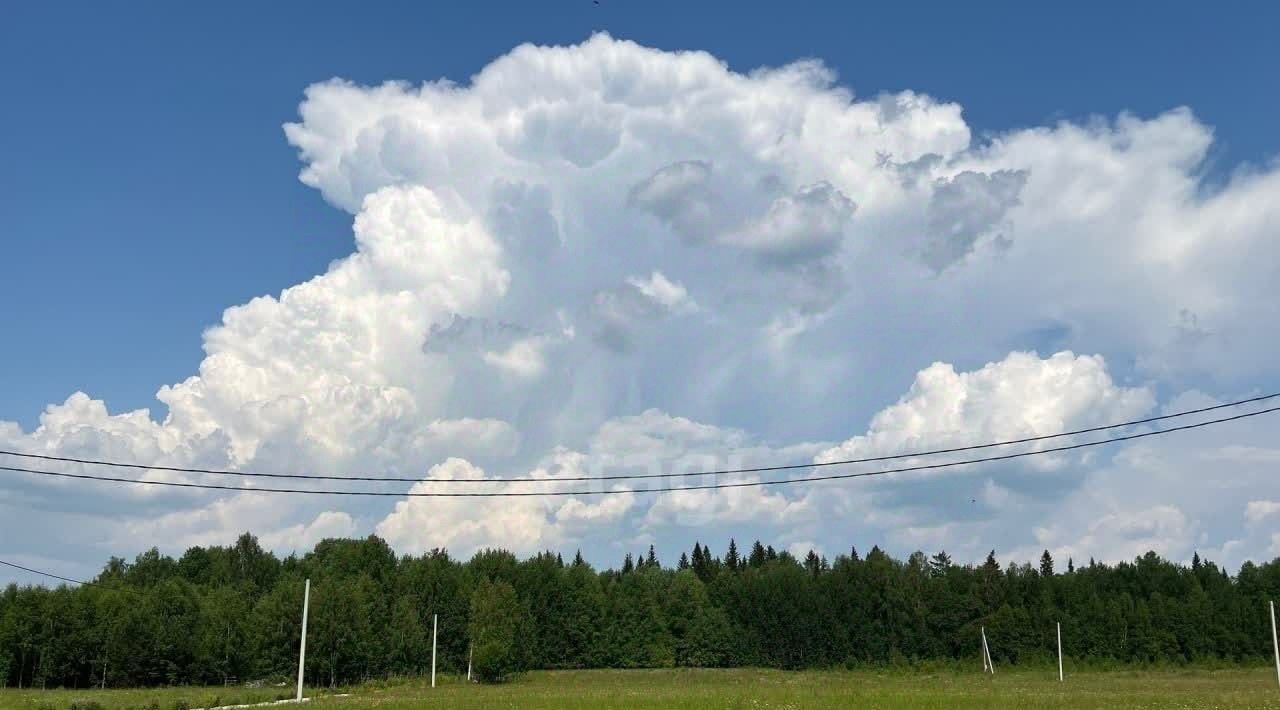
<point x="495" y="619"/>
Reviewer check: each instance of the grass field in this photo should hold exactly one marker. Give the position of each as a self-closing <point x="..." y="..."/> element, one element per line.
<point x="740" y="688"/>
<point x="139" y="699"/>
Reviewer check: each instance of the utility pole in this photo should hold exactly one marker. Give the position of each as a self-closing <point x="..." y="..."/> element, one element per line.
<point x="302" y="650"/>
<point x="1059" y="651"/>
<point x="435" y="626"/>
<point x="1275" y="644"/>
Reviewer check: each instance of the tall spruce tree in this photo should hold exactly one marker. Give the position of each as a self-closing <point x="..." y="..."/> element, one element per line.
<point x="731" y="560"/>
<point x="702" y="563"/>
<point x="939" y="564"/>
<point x="813" y="563"/>
<point x="1046" y="564"/>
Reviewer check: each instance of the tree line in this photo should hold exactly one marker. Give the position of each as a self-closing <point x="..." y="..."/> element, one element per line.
<point x="232" y="614"/>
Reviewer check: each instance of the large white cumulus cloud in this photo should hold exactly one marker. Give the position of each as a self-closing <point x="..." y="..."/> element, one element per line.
<point x="1021" y="396"/>
<point x="520" y="524"/>
<point x="610" y="255"/>
<point x="336" y="363"/>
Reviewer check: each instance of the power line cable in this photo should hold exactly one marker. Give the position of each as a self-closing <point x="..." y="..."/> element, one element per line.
<point x="639" y="476"/>
<point x="82" y="583"/>
<point x="46" y="574"/>
<point x="667" y="489"/>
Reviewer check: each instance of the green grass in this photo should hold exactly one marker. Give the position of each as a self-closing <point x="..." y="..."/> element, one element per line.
<point x="138" y="699"/>
<point x="752" y="688"/>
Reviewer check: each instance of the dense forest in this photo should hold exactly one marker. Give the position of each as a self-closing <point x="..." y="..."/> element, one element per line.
<point x="232" y="614"/>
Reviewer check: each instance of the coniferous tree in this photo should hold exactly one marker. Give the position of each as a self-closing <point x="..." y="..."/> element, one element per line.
<point x="731" y="560"/>
<point x="702" y="563"/>
<point x="812" y="564"/>
<point x="1046" y="564"/>
<point x="939" y="564"/>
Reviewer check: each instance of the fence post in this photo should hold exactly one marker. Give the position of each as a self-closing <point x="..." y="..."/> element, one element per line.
<point x="302" y="648"/>
<point x="1059" y="651"/>
<point x="1275" y="645"/>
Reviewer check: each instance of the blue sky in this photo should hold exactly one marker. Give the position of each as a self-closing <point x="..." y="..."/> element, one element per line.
<point x="1006" y="184"/>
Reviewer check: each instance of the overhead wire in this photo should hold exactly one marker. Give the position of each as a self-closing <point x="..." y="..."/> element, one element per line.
<point x="641" y="476"/>
<point x="666" y="489"/>
<point x="46" y="574"/>
<point x="82" y="583"/>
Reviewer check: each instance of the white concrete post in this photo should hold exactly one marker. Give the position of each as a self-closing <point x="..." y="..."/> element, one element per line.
<point x="1059" y="651"/>
<point x="302" y="649"/>
<point x="991" y="666"/>
<point x="1275" y="645"/>
<point x="435" y="625"/>
<point x="471" y="651"/>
